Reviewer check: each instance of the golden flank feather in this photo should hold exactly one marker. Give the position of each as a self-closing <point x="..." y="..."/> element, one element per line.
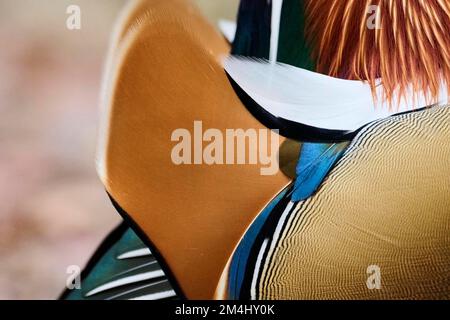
<point x="409" y="46"/>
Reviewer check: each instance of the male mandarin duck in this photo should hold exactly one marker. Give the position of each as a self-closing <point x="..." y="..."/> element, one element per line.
<point x="364" y="110"/>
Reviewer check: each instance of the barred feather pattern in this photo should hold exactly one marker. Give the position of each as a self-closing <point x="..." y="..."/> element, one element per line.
<point x="408" y="48"/>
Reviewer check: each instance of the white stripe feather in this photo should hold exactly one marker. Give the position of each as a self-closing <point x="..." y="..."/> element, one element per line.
<point x="126" y="280"/>
<point x="275" y="29"/>
<point x="136" y="289"/>
<point x="280" y="224"/>
<point x="135" y="254"/>
<point x="257" y="267"/>
<point x="274" y="241"/>
<point x="228" y="29"/>
<point x="157" y="296"/>
<point x="315" y="99"/>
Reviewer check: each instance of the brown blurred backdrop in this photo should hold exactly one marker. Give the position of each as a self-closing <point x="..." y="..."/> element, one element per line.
<point x="53" y="209"/>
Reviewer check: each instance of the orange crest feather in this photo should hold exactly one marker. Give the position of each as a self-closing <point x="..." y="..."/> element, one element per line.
<point x="409" y="45"/>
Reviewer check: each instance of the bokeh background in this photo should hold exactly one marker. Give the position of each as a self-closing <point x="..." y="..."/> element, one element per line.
<point x="53" y="209"/>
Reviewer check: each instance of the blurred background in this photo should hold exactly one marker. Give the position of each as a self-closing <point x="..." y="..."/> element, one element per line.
<point x="53" y="209"/>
